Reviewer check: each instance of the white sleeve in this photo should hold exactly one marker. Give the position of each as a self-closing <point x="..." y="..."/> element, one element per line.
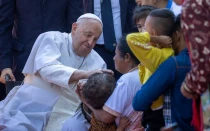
<point x="45" y="59"/>
<point x="57" y="74"/>
<point x="118" y="101"/>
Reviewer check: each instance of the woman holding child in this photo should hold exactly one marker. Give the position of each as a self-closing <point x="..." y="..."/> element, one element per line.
<point x="119" y="104"/>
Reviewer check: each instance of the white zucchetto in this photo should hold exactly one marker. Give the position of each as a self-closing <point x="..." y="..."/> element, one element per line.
<point x="90" y="16"/>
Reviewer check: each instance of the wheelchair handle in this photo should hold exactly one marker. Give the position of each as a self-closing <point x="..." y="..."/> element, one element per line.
<point x="7" y="77"/>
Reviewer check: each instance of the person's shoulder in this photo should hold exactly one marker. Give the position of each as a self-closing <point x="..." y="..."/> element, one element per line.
<point x="51" y="32"/>
<point x="183" y="59"/>
<point x="130" y="78"/>
<point x="173" y="61"/>
<point x="170" y="62"/>
<point x="131" y="74"/>
<point x="167" y="51"/>
<point x="54" y="34"/>
<point x="53" y="37"/>
<point x="170" y="59"/>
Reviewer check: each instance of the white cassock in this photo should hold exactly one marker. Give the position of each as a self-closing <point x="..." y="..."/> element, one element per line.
<point x="46" y="99"/>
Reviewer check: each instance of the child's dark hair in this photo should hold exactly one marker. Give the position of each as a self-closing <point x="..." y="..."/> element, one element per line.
<point x="123" y="47"/>
<point x="141" y="12"/>
<point x="177" y="25"/>
<point x="98" y="89"/>
<point x="164" y="21"/>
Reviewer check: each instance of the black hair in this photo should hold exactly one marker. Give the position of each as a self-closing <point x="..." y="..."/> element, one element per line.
<point x="164" y="21"/>
<point x="141" y="12"/>
<point x="177" y="24"/>
<point x="98" y="89"/>
<point x="123" y="47"/>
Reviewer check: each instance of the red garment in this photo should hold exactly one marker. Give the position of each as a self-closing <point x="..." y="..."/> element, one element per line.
<point x="196" y="27"/>
<point x="197" y="119"/>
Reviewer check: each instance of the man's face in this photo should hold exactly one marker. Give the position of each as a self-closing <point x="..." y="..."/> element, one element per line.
<point x="85" y="35"/>
<point x="177" y="38"/>
<point x="118" y="61"/>
<point x="140" y="24"/>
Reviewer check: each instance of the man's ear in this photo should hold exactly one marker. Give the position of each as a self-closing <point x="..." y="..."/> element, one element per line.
<point x="74" y="27"/>
<point x="177" y="35"/>
<point x="154" y="32"/>
<point x="127" y="57"/>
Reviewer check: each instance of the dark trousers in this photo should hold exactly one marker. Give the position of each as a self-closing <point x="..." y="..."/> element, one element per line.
<point x="108" y="58"/>
<point x="153" y="120"/>
<point x="2" y="91"/>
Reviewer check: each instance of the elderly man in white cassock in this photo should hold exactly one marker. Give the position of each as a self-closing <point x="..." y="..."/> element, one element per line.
<point x="56" y="63"/>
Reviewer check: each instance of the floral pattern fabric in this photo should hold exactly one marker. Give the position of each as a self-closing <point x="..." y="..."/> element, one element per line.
<point x="196" y="27"/>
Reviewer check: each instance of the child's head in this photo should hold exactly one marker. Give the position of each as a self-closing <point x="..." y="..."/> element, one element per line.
<point x="160" y="22"/>
<point x="124" y="57"/>
<point x="98" y="89"/>
<point x="140" y="14"/>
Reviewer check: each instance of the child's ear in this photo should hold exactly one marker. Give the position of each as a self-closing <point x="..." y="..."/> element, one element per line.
<point x="127" y="57"/>
<point x="154" y="32"/>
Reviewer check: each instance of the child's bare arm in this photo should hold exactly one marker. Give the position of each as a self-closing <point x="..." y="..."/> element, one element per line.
<point x="163" y="41"/>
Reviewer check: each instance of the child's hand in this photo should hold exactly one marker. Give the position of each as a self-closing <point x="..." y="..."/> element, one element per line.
<point x="164" y="41"/>
<point x="124" y="123"/>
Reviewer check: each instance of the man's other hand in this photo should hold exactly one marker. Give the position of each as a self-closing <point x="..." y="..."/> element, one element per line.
<point x="6" y="71"/>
